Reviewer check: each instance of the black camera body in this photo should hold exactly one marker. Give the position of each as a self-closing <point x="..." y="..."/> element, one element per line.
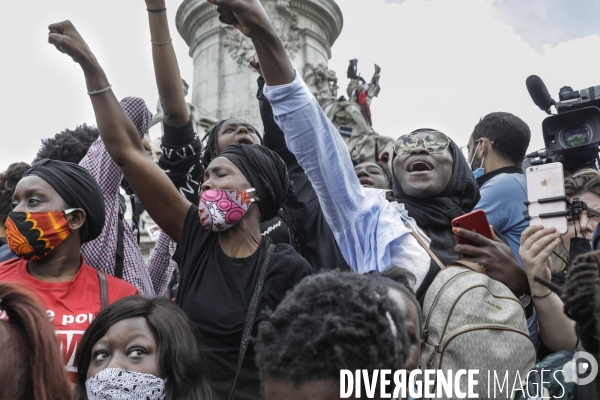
<point x="572" y="135"/>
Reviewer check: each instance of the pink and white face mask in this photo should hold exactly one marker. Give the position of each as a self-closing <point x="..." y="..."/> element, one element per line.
<point x="220" y="209"/>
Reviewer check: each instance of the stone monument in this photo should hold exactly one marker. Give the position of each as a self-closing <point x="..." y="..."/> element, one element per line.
<point x="224" y="84"/>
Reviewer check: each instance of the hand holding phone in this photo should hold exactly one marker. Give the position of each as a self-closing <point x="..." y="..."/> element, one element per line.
<point x="547" y="182"/>
<point x="475" y="221"/>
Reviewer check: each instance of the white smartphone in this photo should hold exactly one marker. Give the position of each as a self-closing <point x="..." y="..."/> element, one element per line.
<point x="544" y="182"/>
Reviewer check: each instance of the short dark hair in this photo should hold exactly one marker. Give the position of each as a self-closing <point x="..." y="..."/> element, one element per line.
<point x="331" y="321"/>
<point x="181" y="360"/>
<point x="68" y="145"/>
<point x="8" y="183"/>
<point x="510" y="135"/>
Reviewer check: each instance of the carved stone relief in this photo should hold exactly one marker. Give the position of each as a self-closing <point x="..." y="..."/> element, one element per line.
<point x="240" y="47"/>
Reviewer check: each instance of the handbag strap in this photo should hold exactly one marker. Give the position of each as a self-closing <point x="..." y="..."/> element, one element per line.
<point x="469" y="264"/>
<point x="426" y="248"/>
<point x="251" y="315"/>
<point x="103" y="291"/>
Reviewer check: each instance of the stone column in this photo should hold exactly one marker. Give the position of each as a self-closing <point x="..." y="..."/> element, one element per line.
<point x="224" y="85"/>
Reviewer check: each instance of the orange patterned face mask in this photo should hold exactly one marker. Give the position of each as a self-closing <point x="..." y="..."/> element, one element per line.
<point x="31" y="236"/>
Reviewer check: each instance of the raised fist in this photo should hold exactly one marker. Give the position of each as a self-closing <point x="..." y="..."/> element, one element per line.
<point x="247" y="16"/>
<point x="67" y="40"/>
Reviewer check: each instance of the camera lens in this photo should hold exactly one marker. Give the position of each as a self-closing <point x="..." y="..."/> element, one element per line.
<point x="576" y="135"/>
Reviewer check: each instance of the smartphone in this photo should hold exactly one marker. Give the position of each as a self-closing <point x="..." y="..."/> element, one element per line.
<point x="475" y="221"/>
<point x="545" y="182"/>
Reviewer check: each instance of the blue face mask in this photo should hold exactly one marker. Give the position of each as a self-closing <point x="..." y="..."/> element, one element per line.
<point x="479" y="172"/>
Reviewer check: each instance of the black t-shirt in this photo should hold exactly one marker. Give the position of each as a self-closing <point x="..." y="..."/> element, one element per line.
<point x="215" y="291"/>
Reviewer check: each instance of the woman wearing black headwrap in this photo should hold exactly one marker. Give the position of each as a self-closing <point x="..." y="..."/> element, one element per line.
<point x="57" y="206"/>
<point x="434" y="199"/>
<point x="433" y="183"/>
<point x="220" y="251"/>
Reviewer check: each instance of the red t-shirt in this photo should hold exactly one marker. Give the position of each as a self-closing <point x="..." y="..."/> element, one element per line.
<point x="71" y="305"/>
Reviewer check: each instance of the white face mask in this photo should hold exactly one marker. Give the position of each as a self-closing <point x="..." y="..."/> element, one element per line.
<point x="118" y="384"/>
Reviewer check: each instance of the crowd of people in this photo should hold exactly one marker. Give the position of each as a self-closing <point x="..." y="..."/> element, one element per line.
<point x="291" y="262"/>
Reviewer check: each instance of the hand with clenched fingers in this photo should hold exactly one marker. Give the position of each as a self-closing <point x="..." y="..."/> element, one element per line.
<point x="67" y="40"/>
<point x="248" y="16"/>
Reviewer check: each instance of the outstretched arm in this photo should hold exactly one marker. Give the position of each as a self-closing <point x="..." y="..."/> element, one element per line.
<point x="166" y="69"/>
<point x="155" y="190"/>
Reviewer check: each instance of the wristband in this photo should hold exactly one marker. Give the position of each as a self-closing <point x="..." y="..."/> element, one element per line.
<point x="97" y="92"/>
<point x="541" y="297"/>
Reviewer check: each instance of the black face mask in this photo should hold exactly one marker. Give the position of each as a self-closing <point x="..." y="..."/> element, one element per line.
<point x="579" y="246"/>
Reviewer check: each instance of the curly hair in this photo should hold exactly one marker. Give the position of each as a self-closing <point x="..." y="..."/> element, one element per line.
<point x="579" y="297"/>
<point x="331" y="321"/>
<point x="68" y="145"/>
<point x="8" y="183"/>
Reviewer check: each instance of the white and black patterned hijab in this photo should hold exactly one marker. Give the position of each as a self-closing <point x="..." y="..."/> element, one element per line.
<point x="118" y="384"/>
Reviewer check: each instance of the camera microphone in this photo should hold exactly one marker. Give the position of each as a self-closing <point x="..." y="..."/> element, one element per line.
<point x="539" y="94"/>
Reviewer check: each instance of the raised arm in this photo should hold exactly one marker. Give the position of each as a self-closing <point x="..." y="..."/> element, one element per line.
<point x="364" y="224"/>
<point x="155" y="190"/>
<point x="166" y="69"/>
<point x="316" y="144"/>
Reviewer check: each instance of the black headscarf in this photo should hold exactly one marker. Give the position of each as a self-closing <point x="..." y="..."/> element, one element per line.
<point x="78" y="189"/>
<point x="266" y="172"/>
<point x="435" y="214"/>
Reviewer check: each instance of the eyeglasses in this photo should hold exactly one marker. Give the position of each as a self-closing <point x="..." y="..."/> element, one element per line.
<point x="434" y="142"/>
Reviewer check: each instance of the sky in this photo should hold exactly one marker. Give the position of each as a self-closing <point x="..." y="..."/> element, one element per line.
<point x="445" y="63"/>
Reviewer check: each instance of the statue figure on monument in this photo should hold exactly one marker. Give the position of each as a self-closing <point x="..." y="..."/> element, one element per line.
<point x="202" y="122"/>
<point x="363" y="142"/>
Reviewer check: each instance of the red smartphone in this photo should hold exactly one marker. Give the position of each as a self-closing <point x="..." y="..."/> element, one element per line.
<point x="475" y="221"/>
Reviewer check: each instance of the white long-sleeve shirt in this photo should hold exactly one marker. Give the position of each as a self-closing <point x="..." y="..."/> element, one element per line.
<point x="370" y="231"/>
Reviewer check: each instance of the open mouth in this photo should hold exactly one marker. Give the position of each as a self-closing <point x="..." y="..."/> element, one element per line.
<point x="365" y="182"/>
<point x="419" y="165"/>
<point x="244" y="140"/>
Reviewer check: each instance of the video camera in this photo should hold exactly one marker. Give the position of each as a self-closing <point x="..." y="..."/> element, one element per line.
<point x="572" y="135"/>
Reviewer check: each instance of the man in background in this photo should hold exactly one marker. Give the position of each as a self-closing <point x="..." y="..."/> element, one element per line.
<point x="496" y="150"/>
